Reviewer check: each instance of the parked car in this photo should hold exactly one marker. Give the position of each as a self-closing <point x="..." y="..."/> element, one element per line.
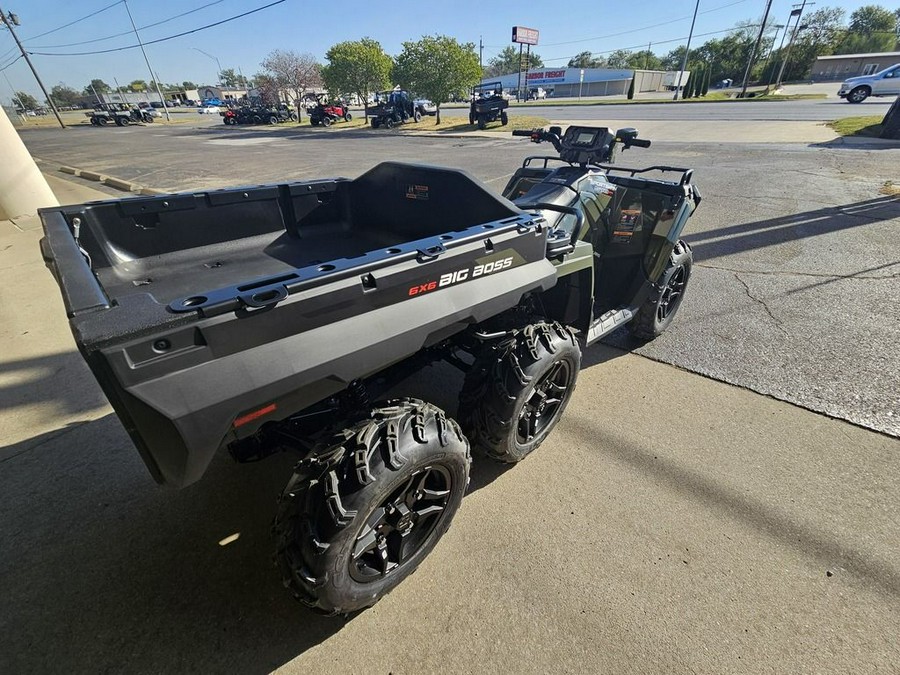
<point x="883" y="83"/>
<point x="208" y="110"/>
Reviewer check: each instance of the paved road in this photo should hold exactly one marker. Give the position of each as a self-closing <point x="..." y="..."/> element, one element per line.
<point x="812" y="110"/>
<point x="794" y="291"/>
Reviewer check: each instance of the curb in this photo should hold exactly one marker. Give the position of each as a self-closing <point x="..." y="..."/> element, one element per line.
<point x="110" y="181"/>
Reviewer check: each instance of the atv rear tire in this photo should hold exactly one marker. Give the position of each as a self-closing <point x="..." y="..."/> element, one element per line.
<point x="148" y="118"/>
<point x="417" y="116"/>
<point x="273" y="119"/>
<point x="358" y="518"/>
<point x="326" y="121"/>
<point x="504" y="118"/>
<point x="348" y="117"/>
<point x="660" y="308"/>
<point x="517" y="390"/>
<point x="375" y="123"/>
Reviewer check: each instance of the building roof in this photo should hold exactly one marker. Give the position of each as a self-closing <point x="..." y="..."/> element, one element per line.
<point x="859" y="56"/>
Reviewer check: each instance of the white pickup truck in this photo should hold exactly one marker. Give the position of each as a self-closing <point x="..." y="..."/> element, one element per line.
<point x="883" y="83"/>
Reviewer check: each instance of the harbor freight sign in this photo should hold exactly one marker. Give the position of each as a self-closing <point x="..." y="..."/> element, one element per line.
<point x="546" y="76"/>
<point x="525" y="36"/>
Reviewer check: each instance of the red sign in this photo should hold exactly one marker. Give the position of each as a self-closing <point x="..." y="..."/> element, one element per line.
<point x="546" y="74"/>
<point x="525" y="36"/>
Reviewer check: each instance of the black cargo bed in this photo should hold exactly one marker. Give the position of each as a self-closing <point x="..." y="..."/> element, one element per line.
<point x="194" y="309"/>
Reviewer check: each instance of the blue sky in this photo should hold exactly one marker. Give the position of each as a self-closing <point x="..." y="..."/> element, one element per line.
<point x="313" y="27"/>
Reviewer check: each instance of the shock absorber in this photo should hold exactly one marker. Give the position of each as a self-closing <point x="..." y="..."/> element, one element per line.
<point x="356" y="397"/>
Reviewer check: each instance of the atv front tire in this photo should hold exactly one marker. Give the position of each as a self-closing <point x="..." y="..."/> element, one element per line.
<point x="660" y="308"/>
<point x="504" y="118"/>
<point x="370" y="504"/>
<point x="517" y="390"/>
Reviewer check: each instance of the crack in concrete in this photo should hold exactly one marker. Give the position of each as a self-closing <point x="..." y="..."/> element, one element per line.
<point x="815" y="275"/>
<point x="762" y="303"/>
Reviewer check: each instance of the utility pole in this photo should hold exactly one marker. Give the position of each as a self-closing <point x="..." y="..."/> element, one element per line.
<point x="527" y="65"/>
<point x="149" y="67"/>
<point x="647" y="60"/>
<point x="519" y="79"/>
<point x="778" y="28"/>
<point x="781" y="46"/>
<point x="787" y="57"/>
<point x="480" y="53"/>
<point x="9" y="22"/>
<point x="762" y="30"/>
<point x="687" y="51"/>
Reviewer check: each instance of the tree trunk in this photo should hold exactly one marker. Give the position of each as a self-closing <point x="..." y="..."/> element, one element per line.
<point x="438" y="115"/>
<point x="891" y="123"/>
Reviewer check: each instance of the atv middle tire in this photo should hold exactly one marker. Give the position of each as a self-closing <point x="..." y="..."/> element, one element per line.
<point x="517" y="390"/>
<point x="326" y="121"/>
<point x="660" y="308"/>
<point x="361" y="516"/>
<point x="348" y="117"/>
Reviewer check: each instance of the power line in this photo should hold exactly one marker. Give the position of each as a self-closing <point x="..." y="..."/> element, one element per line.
<point x="10" y="64"/>
<point x="72" y="23"/>
<point x="170" y="37"/>
<point x="128" y="32"/>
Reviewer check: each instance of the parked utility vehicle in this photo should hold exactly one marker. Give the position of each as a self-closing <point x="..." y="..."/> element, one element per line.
<point x="274" y="318"/>
<point x="396" y="107"/>
<point x="488" y="104"/>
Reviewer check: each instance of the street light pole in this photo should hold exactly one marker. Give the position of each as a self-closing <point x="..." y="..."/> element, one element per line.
<point x="9" y="22"/>
<point x="149" y="67"/>
<point x="687" y="50"/>
<point x="762" y="30"/>
<point x="214" y="58"/>
<point x="787" y="56"/>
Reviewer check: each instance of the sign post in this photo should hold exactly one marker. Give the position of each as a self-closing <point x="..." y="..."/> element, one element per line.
<point x="580" y="83"/>
<point x="524" y="36"/>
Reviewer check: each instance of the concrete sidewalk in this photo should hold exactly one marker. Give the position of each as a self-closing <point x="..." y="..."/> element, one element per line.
<point x="670" y="524"/>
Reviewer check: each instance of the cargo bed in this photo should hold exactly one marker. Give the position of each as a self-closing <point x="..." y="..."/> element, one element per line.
<point x="197" y="310"/>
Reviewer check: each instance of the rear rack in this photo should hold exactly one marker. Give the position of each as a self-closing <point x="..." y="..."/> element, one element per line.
<point x="686" y="174"/>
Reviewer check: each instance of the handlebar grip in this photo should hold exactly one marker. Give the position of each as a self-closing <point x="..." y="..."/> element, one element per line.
<point x="522" y="132"/>
<point x="640" y="142"/>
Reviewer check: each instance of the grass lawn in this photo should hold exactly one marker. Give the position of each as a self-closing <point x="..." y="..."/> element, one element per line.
<point x="869" y="125"/>
<point x="712" y="96"/>
<point x="456" y="124"/>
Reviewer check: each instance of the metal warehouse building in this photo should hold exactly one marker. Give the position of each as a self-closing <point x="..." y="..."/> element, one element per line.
<point x="560" y="82"/>
<point x="840" y="67"/>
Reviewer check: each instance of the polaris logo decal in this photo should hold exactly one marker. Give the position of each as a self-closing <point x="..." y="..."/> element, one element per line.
<point x="451" y="278"/>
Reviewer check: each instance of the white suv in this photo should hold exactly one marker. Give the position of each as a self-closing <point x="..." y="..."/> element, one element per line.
<point x="883" y="83"/>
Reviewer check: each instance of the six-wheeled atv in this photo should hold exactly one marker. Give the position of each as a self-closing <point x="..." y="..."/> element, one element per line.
<point x="121" y="115"/>
<point x="488" y="104"/>
<point x="279" y="317"/>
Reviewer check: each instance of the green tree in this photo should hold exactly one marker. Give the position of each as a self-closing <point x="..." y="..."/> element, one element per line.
<point x="25" y="101"/>
<point x="872" y="29"/>
<point x="586" y="60"/>
<point x="357" y="67"/>
<point x="230" y="78"/>
<point x="438" y="67"/>
<point x="187" y="84"/>
<point x="672" y="60"/>
<point x="99" y="85"/>
<point x="137" y="85"/>
<point x="643" y="60"/>
<point x="618" y="60"/>
<point x="705" y="90"/>
<point x="507" y="61"/>
<point x="63" y="95"/>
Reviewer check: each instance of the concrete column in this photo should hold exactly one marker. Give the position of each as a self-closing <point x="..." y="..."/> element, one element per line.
<point x="23" y="189"/>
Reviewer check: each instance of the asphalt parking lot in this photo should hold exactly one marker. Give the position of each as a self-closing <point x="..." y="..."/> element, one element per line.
<point x="676" y="520"/>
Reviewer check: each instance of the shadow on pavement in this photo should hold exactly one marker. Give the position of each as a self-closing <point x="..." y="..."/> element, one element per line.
<point x="768" y="520"/>
<point x="103" y="571"/>
<point x="774" y="231"/>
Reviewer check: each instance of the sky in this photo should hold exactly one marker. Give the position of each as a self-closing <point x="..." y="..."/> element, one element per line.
<point x="313" y="27"/>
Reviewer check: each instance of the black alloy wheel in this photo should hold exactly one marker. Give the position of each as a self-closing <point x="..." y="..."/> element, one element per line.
<point x="517" y="390"/>
<point x="659" y="309"/>
<point x="396" y="530"/>
<point x="364" y="510"/>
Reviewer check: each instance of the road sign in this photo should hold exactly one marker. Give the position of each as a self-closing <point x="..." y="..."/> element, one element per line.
<point x="525" y="36"/>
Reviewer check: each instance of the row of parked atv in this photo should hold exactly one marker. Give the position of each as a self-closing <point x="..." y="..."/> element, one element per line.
<point x="258" y="115"/>
<point x="120" y="115"/>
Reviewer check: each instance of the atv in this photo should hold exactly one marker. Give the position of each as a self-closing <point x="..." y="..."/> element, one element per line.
<point x="316" y="300"/>
<point x="121" y="115"/>
<point x="325" y="113"/>
<point x="488" y="104"/>
<point x="396" y="107"/>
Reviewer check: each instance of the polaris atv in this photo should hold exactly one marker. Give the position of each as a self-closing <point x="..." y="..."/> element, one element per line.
<point x="396" y="107"/>
<point x="488" y="104"/>
<point x="325" y="113"/>
<point x="277" y="318"/>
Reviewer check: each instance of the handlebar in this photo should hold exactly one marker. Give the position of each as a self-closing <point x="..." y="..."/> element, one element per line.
<point x="521" y="132"/>
<point x="639" y="142"/>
